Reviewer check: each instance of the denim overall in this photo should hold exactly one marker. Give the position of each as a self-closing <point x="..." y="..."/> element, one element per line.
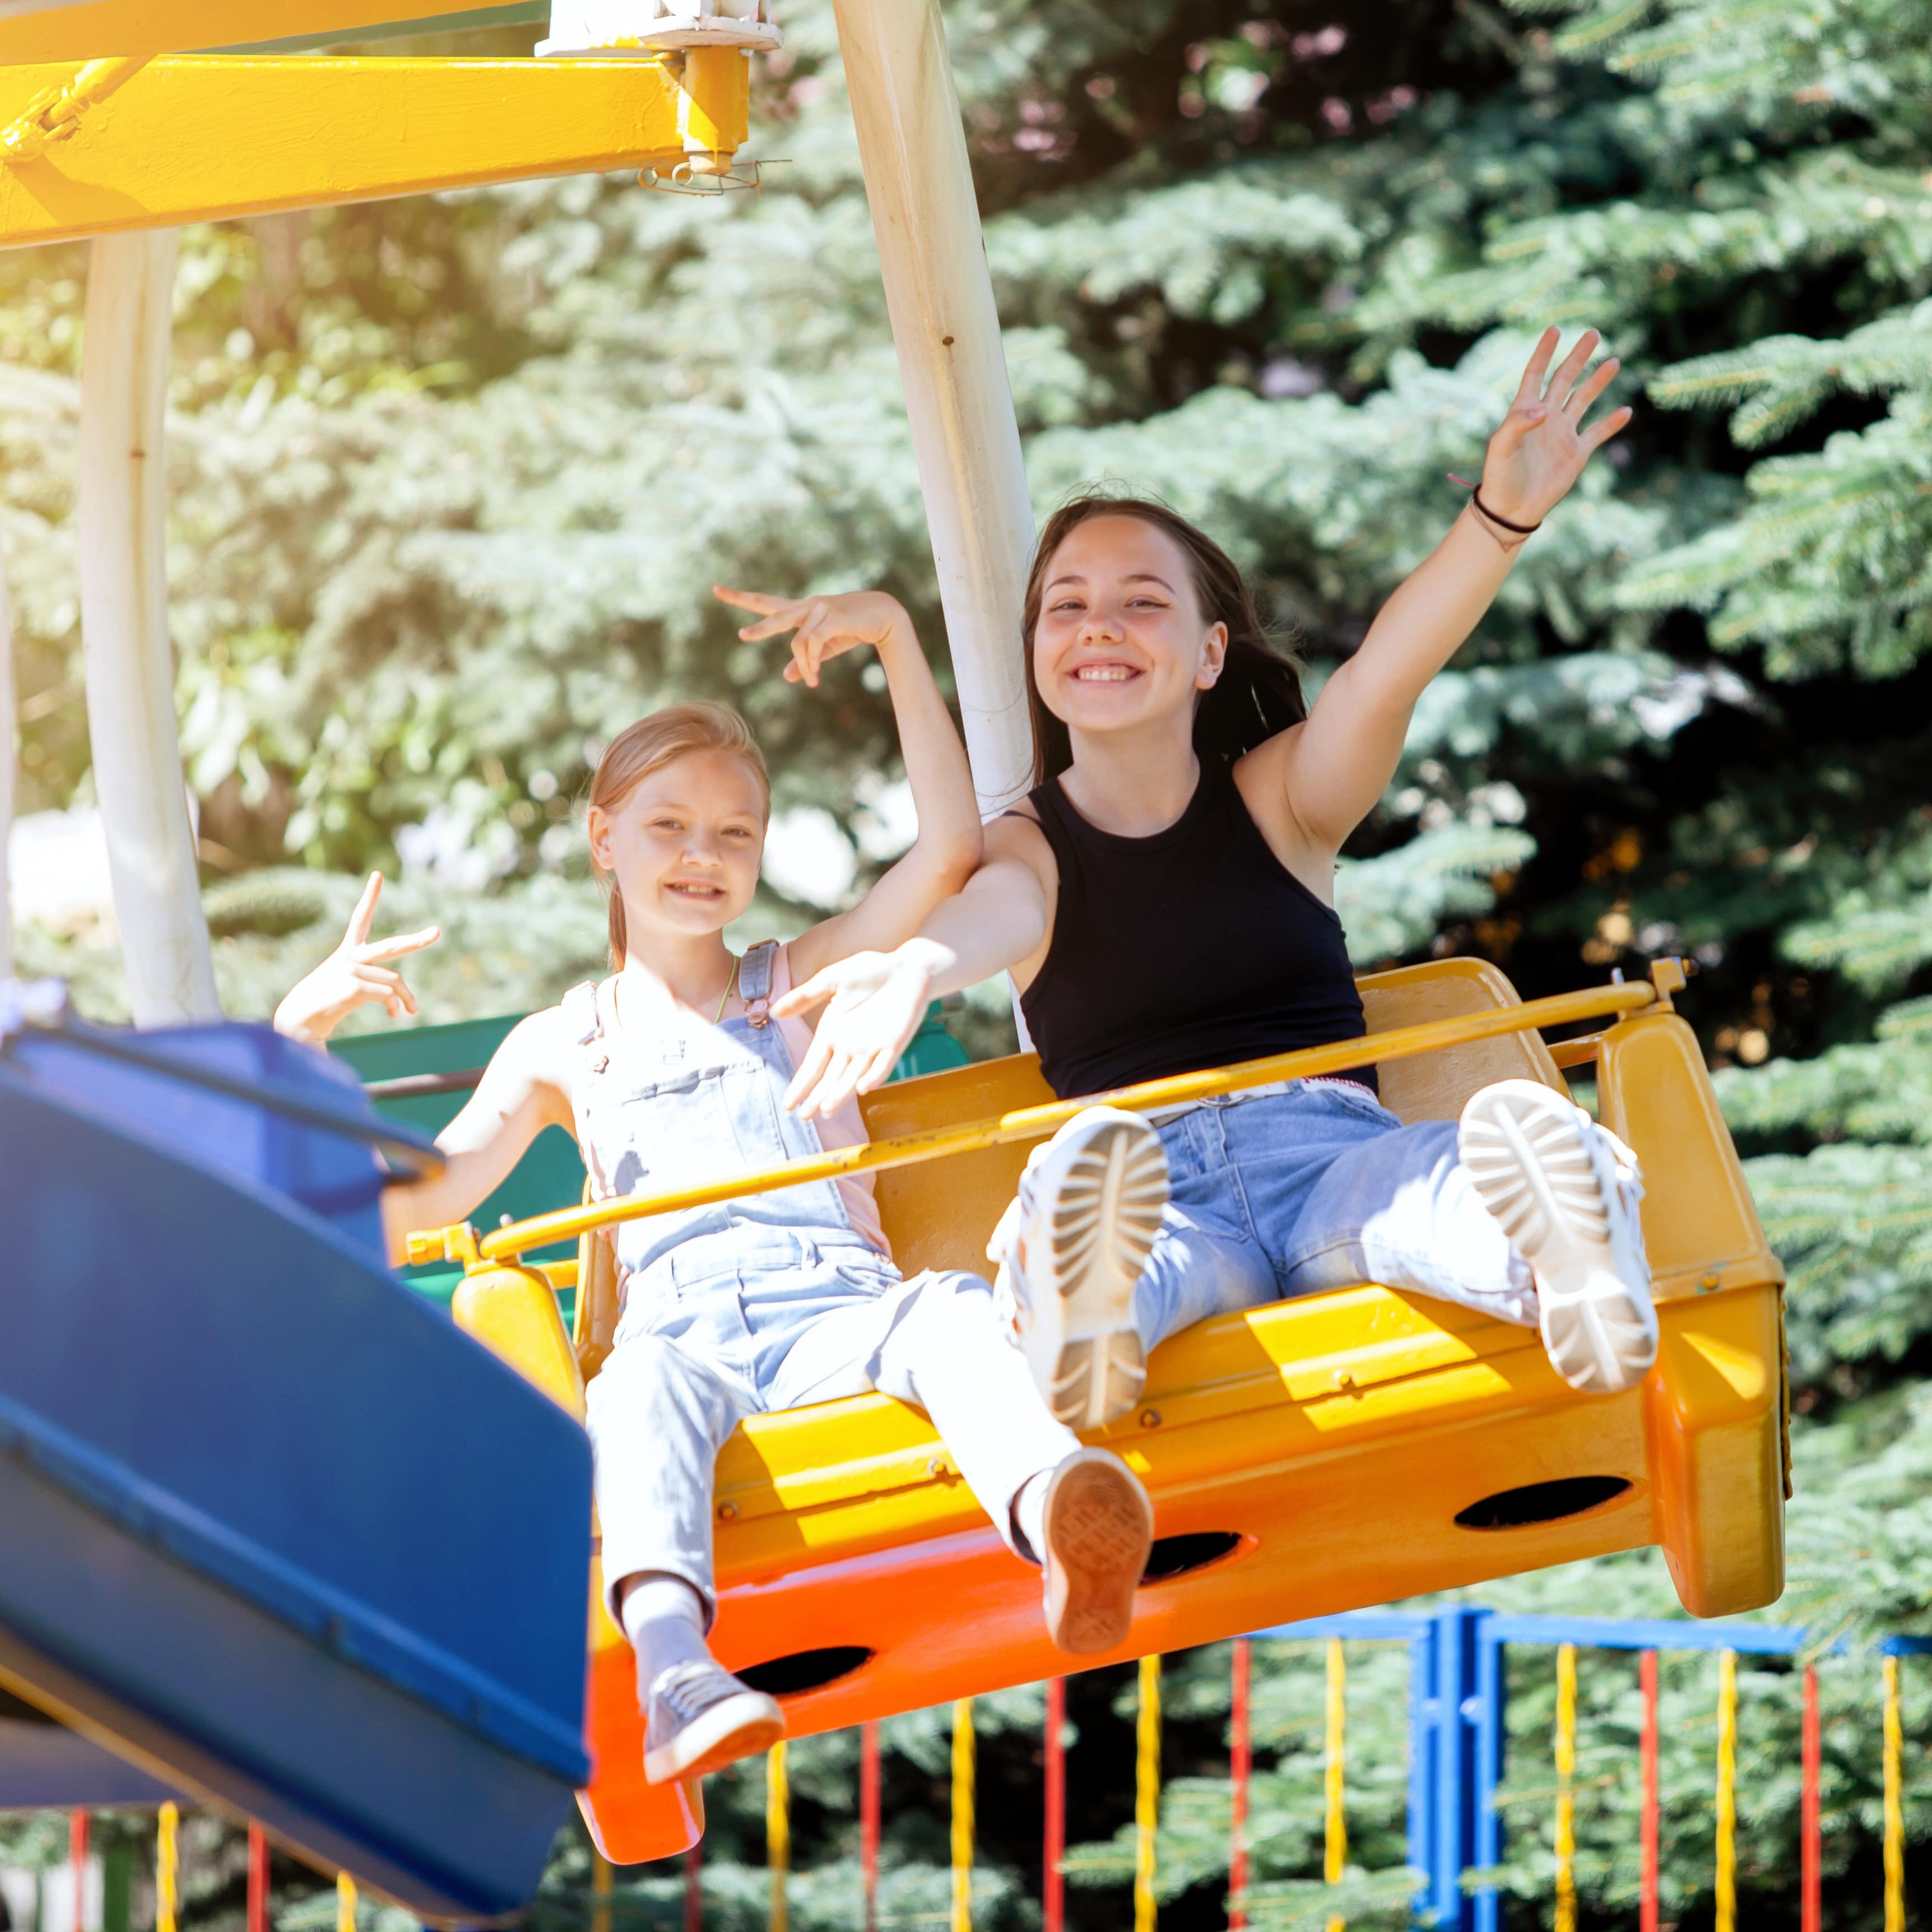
<point x="769" y="1302"/>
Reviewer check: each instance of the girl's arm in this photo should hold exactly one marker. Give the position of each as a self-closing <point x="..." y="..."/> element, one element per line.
<point x="947" y="849"/>
<point x="877" y="1000"/>
<point x="1333" y="768"/>
<point x="518" y="1097"/>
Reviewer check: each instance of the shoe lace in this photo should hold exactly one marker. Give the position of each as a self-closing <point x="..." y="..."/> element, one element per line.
<point x="690" y="1688"/>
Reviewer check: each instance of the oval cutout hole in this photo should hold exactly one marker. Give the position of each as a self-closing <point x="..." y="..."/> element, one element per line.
<point x="804" y="1670"/>
<point x="1173" y="1556"/>
<point x="1542" y="1502"/>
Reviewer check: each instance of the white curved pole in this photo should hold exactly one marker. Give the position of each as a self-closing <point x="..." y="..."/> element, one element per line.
<point x="940" y="296"/>
<point x="123" y="617"/>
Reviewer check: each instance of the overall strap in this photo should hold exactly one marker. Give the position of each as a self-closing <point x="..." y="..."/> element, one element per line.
<point x="756" y="971"/>
<point x="583" y="1016"/>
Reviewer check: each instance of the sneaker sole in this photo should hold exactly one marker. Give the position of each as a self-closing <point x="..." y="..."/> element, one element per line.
<point x="1101" y="1222"/>
<point x="1098" y="1526"/>
<point x="1554" y="1194"/>
<point x="738" y="1727"/>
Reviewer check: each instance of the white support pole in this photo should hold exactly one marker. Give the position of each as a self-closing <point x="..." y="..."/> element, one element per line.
<point x="940" y="296"/>
<point x="124" y="618"/>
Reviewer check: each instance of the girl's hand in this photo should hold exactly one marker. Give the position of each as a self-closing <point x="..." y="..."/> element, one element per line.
<point x="1541" y="448"/>
<point x="352" y="976"/>
<point x="827" y="627"/>
<point x="877" y="1002"/>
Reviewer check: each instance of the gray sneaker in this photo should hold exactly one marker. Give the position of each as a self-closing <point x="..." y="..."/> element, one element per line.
<point x="1070" y="1250"/>
<point x="700" y="1718"/>
<point x="1566" y="1192"/>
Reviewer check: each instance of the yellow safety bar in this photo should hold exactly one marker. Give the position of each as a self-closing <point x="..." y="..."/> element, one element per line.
<point x="460" y="1243"/>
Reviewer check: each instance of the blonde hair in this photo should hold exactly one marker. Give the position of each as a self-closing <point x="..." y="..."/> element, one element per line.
<point x="648" y="746"/>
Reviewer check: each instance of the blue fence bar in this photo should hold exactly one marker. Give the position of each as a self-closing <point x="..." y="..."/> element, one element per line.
<point x="1457" y="1700"/>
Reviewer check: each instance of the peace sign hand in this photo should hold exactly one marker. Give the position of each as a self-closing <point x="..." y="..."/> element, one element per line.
<point x="1540" y="448"/>
<point x="352" y="976"/>
<point x="827" y="627"/>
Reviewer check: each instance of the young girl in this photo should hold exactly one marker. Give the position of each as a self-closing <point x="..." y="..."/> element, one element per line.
<point x="672" y="1071"/>
<point x="1164" y="899"/>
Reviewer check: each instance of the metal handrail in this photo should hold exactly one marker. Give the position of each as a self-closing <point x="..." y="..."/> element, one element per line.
<point x="1026" y="1123"/>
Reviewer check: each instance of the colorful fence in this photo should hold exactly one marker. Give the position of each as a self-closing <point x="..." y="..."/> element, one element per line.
<point x="1458" y="1689"/>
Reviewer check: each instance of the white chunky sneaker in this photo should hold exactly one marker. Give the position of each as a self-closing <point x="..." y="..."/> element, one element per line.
<point x="700" y="1716"/>
<point x="1098" y="1525"/>
<point x="1566" y="1192"/>
<point x="1070" y="1249"/>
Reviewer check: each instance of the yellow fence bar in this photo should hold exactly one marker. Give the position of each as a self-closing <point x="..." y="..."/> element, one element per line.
<point x="1726" y="1920"/>
<point x="965" y="1772"/>
<point x="167" y="1867"/>
<point x="1894" y="1802"/>
<point x="1334" y="1766"/>
<point x="601" y="1875"/>
<point x="1566" y="1795"/>
<point x="1147" y="1793"/>
<point x="1026" y="1123"/>
<point x="777" y="1835"/>
<point x="345" y="1903"/>
<point x="207" y="137"/>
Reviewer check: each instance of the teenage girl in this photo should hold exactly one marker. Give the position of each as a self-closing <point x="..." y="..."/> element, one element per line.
<point x="672" y="1070"/>
<point x="1164" y="899"/>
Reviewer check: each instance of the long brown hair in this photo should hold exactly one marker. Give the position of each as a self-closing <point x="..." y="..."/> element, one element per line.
<point x="648" y="746"/>
<point x="1259" y="690"/>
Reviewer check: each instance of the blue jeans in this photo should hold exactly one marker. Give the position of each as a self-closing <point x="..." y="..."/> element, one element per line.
<point x="1319" y="1187"/>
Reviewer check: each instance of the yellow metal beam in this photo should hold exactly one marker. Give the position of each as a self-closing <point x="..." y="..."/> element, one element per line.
<point x="200" y="137"/>
<point x="31" y="31"/>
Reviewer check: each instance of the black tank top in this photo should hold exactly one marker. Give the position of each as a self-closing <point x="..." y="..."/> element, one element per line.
<point x="1194" y="948"/>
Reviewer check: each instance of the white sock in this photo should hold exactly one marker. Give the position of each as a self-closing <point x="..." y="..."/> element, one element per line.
<point x="1029" y="1515"/>
<point x="663" y="1618"/>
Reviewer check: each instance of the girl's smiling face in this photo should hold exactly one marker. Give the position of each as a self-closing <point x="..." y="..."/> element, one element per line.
<point x="685" y="844"/>
<point x="1121" y="641"/>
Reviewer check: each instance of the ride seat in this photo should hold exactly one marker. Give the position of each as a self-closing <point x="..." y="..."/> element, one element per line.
<point x="1342" y="1450"/>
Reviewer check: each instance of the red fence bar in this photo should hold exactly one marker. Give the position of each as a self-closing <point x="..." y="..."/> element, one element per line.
<point x="1646" y="1667"/>
<point x="1240" y="1762"/>
<point x="1810" y="1852"/>
<point x="1052" y="1884"/>
<point x="258" y="1878"/>
<point x="76" y="1857"/>
<point x="693" y="1887"/>
<point x="869" y="1820"/>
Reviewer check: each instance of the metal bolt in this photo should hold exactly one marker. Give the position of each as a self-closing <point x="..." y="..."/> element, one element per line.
<point x="1706" y="1283"/>
<point x="1150" y="1418"/>
<point x="727" y="1511"/>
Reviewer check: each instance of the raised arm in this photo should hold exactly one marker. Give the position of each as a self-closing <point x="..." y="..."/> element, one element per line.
<point x="1333" y="768"/>
<point x="943" y="855"/>
<point x="518" y="1097"/>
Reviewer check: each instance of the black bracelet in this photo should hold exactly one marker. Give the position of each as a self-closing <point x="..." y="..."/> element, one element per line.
<point x="1483" y="509"/>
